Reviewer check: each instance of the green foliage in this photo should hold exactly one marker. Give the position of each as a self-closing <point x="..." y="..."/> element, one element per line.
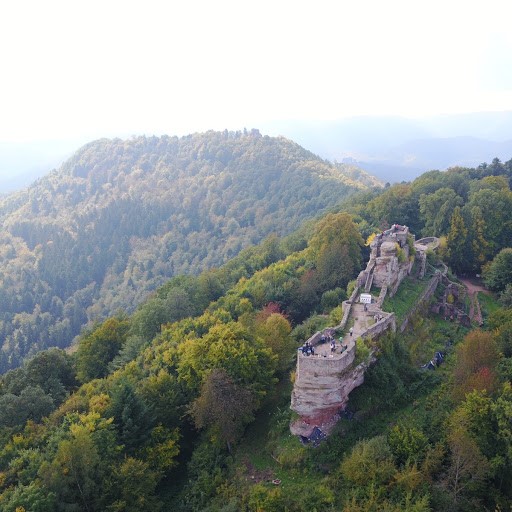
<point x="362" y="352"/>
<point x="77" y="469"/>
<point x="53" y="371"/>
<point x="31" y="404"/>
<point x="458" y="250"/>
<point x="370" y="463"/>
<point x="498" y="274"/>
<point x="435" y="440"/>
<point x="222" y="407"/>
<point x="408" y="444"/>
<point x="120" y="217"/>
<point x="396" y="204"/>
<point x="133" y="418"/>
<point x="506" y="296"/>
<point x="400" y="254"/>
<point x="405" y="298"/>
<point x="96" y="349"/>
<point x="336" y="245"/>
<point x="332" y="298"/>
<point x="336" y="315"/>
<point x="503" y="338"/>
<point x="32" y="497"/>
<point x="231" y="347"/>
<point x="351" y="285"/>
<point x="390" y="379"/>
<point x="33" y="391"/>
<point x="275" y="332"/>
<point x="135" y="484"/>
<point x="313" y="324"/>
<point x="437" y="209"/>
<point x="207" y="472"/>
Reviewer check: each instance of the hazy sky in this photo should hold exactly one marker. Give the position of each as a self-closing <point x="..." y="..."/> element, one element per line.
<point x="86" y="69"/>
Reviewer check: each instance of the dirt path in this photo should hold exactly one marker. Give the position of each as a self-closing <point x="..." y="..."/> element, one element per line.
<point x="473" y="286"/>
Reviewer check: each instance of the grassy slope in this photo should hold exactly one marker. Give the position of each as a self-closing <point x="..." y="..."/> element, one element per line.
<point x="270" y="452"/>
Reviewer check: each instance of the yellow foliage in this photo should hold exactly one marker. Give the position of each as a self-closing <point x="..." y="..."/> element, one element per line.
<point x="370" y="239"/>
<point x="99" y="403"/>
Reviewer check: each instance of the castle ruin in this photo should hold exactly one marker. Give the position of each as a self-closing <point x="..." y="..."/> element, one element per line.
<point x="323" y="381"/>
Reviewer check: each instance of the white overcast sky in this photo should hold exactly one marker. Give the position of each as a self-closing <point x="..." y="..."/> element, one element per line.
<point x="87" y="69"/>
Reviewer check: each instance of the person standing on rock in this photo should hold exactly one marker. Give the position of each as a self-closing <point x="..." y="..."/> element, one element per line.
<point x="351" y="331"/>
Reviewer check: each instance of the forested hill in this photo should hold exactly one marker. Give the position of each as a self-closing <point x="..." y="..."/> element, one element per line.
<point x="122" y="216"/>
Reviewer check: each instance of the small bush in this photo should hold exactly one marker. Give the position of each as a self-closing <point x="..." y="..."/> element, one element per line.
<point x="336" y="315"/>
<point x="362" y="352"/>
<point x="332" y="298"/>
<point x="351" y="287"/>
<point x="313" y="324"/>
<point x="400" y="254"/>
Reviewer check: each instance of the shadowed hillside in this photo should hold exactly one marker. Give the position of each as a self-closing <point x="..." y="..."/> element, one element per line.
<point x="122" y="216"/>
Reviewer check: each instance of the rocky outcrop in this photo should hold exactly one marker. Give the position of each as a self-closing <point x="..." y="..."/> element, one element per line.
<point x="319" y="399"/>
<point x="323" y="381"/>
<point x="389" y="261"/>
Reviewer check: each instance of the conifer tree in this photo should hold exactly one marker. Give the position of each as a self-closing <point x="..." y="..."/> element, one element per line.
<point x="479" y="245"/>
<point x="458" y="242"/>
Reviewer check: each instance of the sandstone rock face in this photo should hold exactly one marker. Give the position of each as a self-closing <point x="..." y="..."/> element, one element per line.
<point x="319" y="383"/>
<point x="323" y="383"/>
<point x="320" y="407"/>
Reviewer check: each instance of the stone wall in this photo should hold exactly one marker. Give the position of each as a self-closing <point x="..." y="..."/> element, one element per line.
<point x="322" y="387"/>
<point x="323" y="383"/>
<point x="425" y="296"/>
<point x="387" y="323"/>
<point x="382" y="296"/>
<point x="347" y="306"/>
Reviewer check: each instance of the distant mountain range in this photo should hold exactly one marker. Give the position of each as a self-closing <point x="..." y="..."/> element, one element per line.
<point x="392" y="148"/>
<point x="399" y="149"/>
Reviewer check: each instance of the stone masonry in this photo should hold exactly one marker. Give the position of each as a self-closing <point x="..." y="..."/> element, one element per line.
<point x="324" y="381"/>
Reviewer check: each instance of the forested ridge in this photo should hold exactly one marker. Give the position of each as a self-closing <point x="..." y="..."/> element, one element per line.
<point x="184" y="405"/>
<point x="122" y="216"/>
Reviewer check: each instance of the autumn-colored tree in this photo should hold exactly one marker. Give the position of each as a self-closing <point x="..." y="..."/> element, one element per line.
<point x="468" y="468"/>
<point x="477" y="357"/>
<point x="228" y="346"/>
<point x="275" y="333"/>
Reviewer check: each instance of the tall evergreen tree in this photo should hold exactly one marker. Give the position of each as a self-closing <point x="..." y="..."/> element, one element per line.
<point x="479" y="245"/>
<point x="458" y="243"/>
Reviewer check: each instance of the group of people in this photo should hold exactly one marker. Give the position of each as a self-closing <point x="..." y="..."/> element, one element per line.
<point x="308" y="349"/>
<point x="329" y="338"/>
